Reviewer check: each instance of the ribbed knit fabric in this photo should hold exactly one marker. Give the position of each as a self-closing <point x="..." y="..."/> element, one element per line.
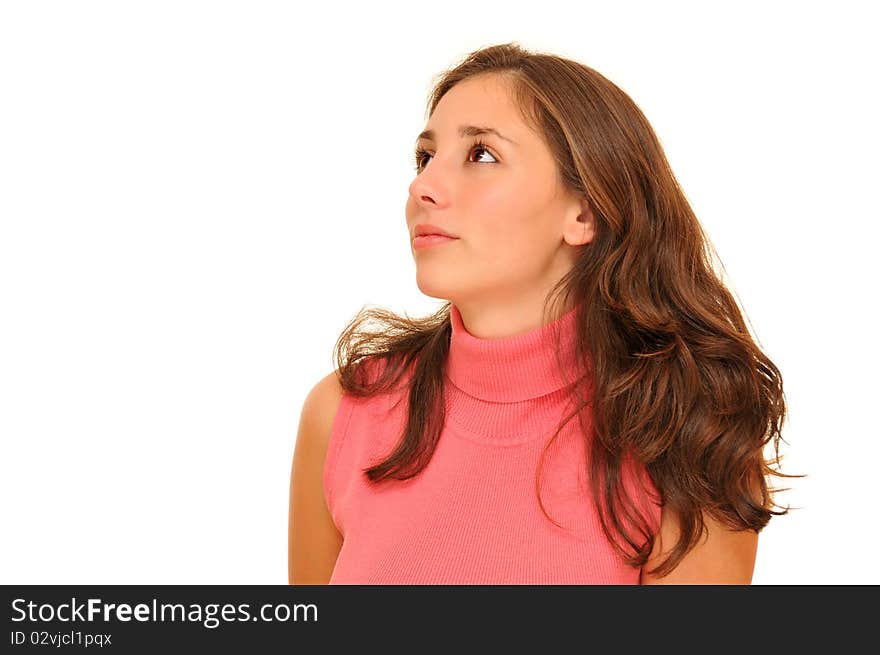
<point x="472" y="515"/>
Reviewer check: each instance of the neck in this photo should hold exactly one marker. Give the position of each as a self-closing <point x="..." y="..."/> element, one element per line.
<point x="524" y="364"/>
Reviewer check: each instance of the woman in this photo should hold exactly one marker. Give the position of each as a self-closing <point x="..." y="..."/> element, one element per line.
<point x="587" y="406"/>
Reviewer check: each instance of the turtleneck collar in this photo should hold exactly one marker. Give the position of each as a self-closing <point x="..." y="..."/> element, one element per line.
<point x="514" y="368"/>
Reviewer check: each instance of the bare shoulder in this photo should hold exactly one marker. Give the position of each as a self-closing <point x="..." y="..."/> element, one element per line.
<point x="313" y="541"/>
<point x="319" y="409"/>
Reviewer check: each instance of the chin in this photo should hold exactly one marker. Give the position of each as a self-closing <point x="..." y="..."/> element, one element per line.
<point x="434" y="285"/>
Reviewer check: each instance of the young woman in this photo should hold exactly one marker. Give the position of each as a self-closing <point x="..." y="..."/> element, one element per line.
<point x="588" y="405"/>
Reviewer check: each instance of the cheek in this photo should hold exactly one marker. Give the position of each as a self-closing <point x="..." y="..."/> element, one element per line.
<point x="508" y="249"/>
<point x="508" y="223"/>
<point x="501" y="213"/>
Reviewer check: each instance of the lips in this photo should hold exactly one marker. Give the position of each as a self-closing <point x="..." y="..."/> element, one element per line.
<point x="425" y="229"/>
<point x="430" y="241"/>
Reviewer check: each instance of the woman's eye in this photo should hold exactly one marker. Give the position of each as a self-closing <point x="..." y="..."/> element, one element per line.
<point x="480" y="147"/>
<point x="420" y="155"/>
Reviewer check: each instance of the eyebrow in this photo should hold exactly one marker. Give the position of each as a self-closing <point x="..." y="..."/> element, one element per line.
<point x="468" y="130"/>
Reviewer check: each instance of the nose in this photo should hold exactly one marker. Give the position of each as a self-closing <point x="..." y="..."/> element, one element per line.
<point x="419" y="191"/>
<point x="427" y="188"/>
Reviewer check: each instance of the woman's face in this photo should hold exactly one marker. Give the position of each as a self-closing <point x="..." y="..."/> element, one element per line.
<point x="516" y="224"/>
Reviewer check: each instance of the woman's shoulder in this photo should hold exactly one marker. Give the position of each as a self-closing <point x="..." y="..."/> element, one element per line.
<point x="324" y="399"/>
<point x="320" y="407"/>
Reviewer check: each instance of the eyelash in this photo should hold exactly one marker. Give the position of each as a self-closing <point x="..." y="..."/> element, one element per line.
<point x="417" y="159"/>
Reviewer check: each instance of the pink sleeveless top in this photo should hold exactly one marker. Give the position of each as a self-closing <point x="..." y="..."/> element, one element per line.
<point x="472" y="515"/>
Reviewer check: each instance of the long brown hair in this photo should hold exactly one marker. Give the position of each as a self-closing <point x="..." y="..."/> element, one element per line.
<point x="676" y="381"/>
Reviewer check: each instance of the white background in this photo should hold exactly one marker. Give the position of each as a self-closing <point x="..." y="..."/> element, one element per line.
<point x="197" y="196"/>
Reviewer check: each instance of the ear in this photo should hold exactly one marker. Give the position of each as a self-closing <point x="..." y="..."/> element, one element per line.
<point x="580" y="227"/>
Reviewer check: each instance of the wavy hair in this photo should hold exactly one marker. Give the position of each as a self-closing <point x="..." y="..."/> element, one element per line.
<point x="675" y="379"/>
